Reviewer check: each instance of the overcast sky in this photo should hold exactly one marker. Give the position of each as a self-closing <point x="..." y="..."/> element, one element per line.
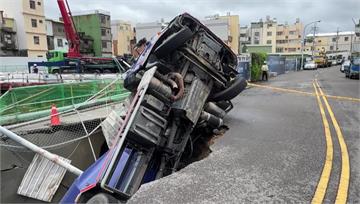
<point x="332" y="13"/>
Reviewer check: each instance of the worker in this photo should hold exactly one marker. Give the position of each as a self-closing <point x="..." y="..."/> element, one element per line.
<point x="264" y="69"/>
<point x="35" y="69"/>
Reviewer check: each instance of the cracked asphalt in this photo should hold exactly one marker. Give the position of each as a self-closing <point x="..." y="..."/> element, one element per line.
<point x="274" y="150"/>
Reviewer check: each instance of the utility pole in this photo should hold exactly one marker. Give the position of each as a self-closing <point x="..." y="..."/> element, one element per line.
<point x="313" y="45"/>
<point x="303" y="43"/>
<point x="351" y="42"/>
<point x="337" y="39"/>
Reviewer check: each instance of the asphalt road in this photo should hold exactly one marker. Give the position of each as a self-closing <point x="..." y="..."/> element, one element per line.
<point x="275" y="148"/>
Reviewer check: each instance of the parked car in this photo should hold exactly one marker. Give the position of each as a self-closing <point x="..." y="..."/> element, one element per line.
<point x="339" y="61"/>
<point x="333" y="62"/>
<point x="310" y="65"/>
<point x="182" y="86"/>
<point x="354" y="68"/>
<point x="345" y="65"/>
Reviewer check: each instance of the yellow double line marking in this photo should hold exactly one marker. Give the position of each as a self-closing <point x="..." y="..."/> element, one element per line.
<point x="343" y="186"/>
<point x="303" y="92"/>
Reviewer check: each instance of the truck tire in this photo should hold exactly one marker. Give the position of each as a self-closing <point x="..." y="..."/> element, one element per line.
<point x="173" y="42"/>
<point x="96" y="71"/>
<point x="236" y="87"/>
<point x="102" y="198"/>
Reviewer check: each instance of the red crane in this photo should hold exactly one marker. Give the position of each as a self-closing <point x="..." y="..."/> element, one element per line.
<point x="70" y="30"/>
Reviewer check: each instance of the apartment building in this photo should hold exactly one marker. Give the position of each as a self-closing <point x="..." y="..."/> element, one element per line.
<point x="244" y="38"/>
<point x="333" y="42"/>
<point x="56" y="37"/>
<point x="97" y="25"/>
<point x="30" y="25"/>
<point x="227" y="28"/>
<point x="123" y="37"/>
<point x="283" y="38"/>
<point x="288" y="37"/>
<point x="8" y="37"/>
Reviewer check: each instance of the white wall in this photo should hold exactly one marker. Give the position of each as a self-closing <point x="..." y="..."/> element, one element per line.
<point x="65" y="46"/>
<point x="49" y="28"/>
<point x="147" y="30"/>
<point x="14" y="9"/>
<point x="17" y="64"/>
<point x="220" y="27"/>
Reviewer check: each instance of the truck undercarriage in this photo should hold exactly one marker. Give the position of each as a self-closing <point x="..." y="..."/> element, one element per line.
<point x="182" y="85"/>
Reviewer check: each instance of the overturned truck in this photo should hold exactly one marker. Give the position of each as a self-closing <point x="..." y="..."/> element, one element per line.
<point x="181" y="84"/>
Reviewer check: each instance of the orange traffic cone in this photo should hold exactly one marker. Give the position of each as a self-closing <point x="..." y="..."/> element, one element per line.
<point x="55" y="119"/>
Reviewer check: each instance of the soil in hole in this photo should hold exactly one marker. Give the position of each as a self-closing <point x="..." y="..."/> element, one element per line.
<point x="200" y="148"/>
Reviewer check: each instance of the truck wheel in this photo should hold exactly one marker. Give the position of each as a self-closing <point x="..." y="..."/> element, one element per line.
<point x="236" y="87"/>
<point x="55" y="71"/>
<point x="102" y="198"/>
<point x="173" y="42"/>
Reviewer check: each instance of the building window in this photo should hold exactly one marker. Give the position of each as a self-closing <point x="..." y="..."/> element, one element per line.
<point x="32" y="4"/>
<point x="33" y="23"/>
<point x="292" y="49"/>
<point x="331" y="47"/>
<point x="268" y="42"/>
<point x="40" y="21"/>
<point x="334" y="39"/>
<point x="256" y="42"/>
<point x="102" y="19"/>
<point x="279" y="49"/>
<point x="60" y="42"/>
<point x="36" y="40"/>
<point x="39" y="3"/>
<point x="269" y="33"/>
<point x="346" y="38"/>
<point x="279" y="33"/>
<point x="257" y="34"/>
<point x="60" y="30"/>
<point x="319" y="41"/>
<point x="292" y="32"/>
<point x="120" y="28"/>
<point x="104" y="44"/>
<point x="103" y="32"/>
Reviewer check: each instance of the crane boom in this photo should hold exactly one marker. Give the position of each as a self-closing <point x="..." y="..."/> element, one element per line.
<point x="70" y="30"/>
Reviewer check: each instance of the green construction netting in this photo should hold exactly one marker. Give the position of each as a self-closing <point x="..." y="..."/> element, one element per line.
<point x="31" y="99"/>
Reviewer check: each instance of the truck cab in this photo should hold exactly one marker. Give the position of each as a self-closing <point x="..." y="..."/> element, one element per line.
<point x="56" y="56"/>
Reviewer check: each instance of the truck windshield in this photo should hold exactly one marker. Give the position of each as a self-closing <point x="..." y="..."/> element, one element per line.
<point x="49" y="55"/>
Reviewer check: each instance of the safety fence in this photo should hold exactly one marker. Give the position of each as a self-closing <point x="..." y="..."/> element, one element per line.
<point x="26" y="103"/>
<point x="81" y="109"/>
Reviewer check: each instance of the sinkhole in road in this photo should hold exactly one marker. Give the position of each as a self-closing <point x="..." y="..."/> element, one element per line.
<point x="200" y="147"/>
